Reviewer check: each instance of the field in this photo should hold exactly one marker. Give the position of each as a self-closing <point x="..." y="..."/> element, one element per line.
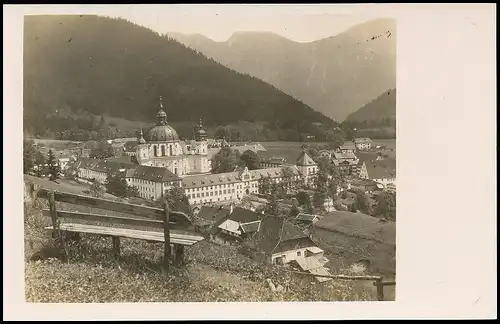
<point x="291" y="150"/>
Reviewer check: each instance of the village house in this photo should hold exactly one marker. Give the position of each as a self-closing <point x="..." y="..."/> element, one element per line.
<point x="130" y="148"/>
<point x="252" y="203"/>
<point x="381" y="171"/>
<point x="346" y="162"/>
<point x="306" y="166"/>
<point x="365" y="185"/>
<point x="363" y="144"/>
<point x="356" y="238"/>
<point x="280" y="242"/>
<point x="151" y="182"/>
<point x="254" y="147"/>
<point x="94" y="169"/>
<point x="239" y="225"/>
<point x="347" y="147"/>
<point x="207" y="216"/>
<point x="306" y="218"/>
<point x="272" y="162"/>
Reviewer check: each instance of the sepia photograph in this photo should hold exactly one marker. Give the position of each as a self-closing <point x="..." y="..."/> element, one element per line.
<point x="176" y="165"/>
<point x="220" y="154"/>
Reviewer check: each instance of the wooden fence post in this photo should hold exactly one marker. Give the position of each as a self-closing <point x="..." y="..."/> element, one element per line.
<point x="53" y="214"/>
<point x="166" y="234"/>
<point x="179" y="253"/>
<point x="116" y="246"/>
<point x="380" y="289"/>
<point x="56" y="232"/>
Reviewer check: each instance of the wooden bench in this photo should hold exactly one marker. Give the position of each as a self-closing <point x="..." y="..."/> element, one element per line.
<point x="178" y="230"/>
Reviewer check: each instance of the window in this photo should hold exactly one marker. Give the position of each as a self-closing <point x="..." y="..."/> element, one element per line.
<point x="155" y="151"/>
<point x="163" y="150"/>
<point x="298" y="253"/>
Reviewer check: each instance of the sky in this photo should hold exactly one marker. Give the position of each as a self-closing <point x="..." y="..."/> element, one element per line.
<point x="301" y="23"/>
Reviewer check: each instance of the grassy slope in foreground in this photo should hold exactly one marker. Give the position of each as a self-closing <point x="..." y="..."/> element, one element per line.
<point x="213" y="273"/>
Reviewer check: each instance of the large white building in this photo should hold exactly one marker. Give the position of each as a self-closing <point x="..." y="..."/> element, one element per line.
<point x="165" y="160"/>
<point x="163" y="148"/>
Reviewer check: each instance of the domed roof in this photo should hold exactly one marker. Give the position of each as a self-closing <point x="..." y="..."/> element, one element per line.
<point x="163" y="133"/>
<point x="200" y="133"/>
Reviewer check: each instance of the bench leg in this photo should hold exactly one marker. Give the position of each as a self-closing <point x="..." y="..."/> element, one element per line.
<point x="179" y="253"/>
<point x="116" y="246"/>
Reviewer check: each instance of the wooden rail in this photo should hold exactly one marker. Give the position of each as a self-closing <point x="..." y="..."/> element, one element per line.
<point x="378" y="281"/>
<point x="175" y="217"/>
<point x="177" y="227"/>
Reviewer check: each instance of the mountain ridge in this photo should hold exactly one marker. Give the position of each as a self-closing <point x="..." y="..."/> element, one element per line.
<point x="335" y="75"/>
<point x="110" y="66"/>
<point x="382" y="107"/>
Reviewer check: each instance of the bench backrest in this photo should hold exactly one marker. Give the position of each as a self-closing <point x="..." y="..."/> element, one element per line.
<point x="147" y="216"/>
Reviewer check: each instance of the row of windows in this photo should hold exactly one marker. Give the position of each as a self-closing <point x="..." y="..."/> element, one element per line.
<point x="211" y="193"/>
<point x="215" y="187"/>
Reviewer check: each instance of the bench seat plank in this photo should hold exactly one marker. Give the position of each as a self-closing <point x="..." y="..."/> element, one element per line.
<point x="175" y="238"/>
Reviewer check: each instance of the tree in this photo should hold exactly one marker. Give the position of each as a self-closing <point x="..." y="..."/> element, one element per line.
<point x="96" y="189"/>
<point x="221" y="132"/>
<point x="319" y="198"/>
<point x="294" y="211"/>
<point x="177" y="200"/>
<point x="116" y="185"/>
<point x="288" y="182"/>
<point x="264" y="184"/>
<point x="363" y="202"/>
<point x="386" y="206"/>
<point x="54" y="168"/>
<point x="32" y="158"/>
<point x="303" y="198"/>
<point x="226" y="160"/>
<point x="102" y="150"/>
<point x="272" y="207"/>
<point x="251" y="159"/>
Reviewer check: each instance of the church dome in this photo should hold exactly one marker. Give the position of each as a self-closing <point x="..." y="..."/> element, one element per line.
<point x="163" y="133"/>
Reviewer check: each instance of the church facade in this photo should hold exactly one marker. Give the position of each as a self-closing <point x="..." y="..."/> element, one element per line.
<point x="162" y="147"/>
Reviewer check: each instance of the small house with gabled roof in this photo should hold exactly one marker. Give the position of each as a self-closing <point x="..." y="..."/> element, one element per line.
<point x="236" y="227"/>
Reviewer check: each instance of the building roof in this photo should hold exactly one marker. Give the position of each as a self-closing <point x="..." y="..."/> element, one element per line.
<point x="359" y="225"/>
<point x="277" y="235"/>
<point x="202" y="180"/>
<point x="156" y="174"/>
<point x="361" y="140"/>
<point x="242" y="215"/>
<point x="106" y="166"/>
<point x="343" y="156"/>
<point x="250" y="227"/>
<point x="306" y="217"/>
<point x="348" y="145"/>
<point x="381" y="169"/>
<point x="272" y="172"/>
<point x="130" y="146"/>
<point x="305" y="160"/>
<point x="362" y="182"/>
<point x="212" y="214"/>
<point x="255" y="147"/>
